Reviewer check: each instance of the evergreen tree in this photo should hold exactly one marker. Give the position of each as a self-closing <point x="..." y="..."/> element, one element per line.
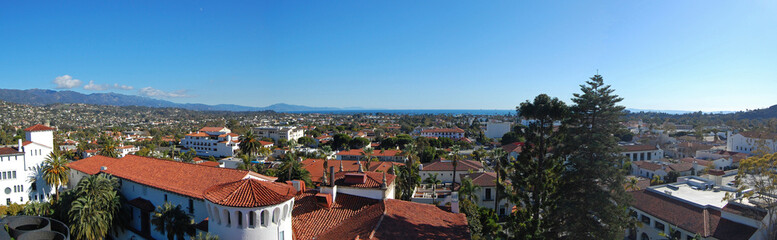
<point x="595" y="201"/>
<point x="537" y="171"/>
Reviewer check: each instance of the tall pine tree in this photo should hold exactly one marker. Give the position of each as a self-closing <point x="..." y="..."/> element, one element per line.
<point x="594" y="203"/>
<point x="536" y="174"/>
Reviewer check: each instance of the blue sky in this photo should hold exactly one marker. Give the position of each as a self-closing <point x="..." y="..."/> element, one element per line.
<point x="671" y="55"/>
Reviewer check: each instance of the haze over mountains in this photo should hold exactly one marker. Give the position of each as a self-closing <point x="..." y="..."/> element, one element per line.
<point x="40" y="97"/>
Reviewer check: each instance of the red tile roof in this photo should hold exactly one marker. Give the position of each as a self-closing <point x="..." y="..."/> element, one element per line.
<point x="705" y="221"/>
<point x="759" y="135"/>
<point x="463" y="165"/>
<point x="38" y="127"/>
<point x="375" y="153"/>
<point x="697" y="161"/>
<point x="483" y="179"/>
<point x="265" y="143"/>
<point x="397" y="219"/>
<point x="647" y="165"/>
<point x="372" y="180"/>
<point x="310" y="219"/>
<point x="198" y="134"/>
<point x="316" y="167"/>
<point x="209" y="164"/>
<point x="639" y="148"/>
<point x="9" y="150"/>
<point x="443" y="130"/>
<point x="249" y="193"/>
<point x="183" y="178"/>
<point x="211" y="129"/>
<point x="513" y="147"/>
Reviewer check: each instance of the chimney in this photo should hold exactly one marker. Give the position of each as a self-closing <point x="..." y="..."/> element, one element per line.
<point x="455" y="202"/>
<point x="341" y="166"/>
<point x="360" y="166"/>
<point x="332" y="176"/>
<point x="20" y="145"/>
<point x="324" y="179"/>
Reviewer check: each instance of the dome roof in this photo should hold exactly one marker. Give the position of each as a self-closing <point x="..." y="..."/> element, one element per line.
<point x="249" y="192"/>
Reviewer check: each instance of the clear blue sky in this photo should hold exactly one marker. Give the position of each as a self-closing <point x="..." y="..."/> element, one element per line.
<point x="671" y="55"/>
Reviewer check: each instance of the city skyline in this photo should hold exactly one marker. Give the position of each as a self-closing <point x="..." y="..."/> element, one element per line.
<point x="692" y="55"/>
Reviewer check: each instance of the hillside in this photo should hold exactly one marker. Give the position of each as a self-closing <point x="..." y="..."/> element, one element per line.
<point x="41" y="97"/>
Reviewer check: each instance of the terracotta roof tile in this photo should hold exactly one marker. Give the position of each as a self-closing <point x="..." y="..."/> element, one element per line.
<point x="39" y="127"/>
<point x="209" y="164"/>
<point x="183" y="178"/>
<point x="316" y="167"/>
<point x="211" y="129"/>
<point x="647" y="165"/>
<point x="375" y="153"/>
<point x="638" y="148"/>
<point x="9" y="150"/>
<point x="249" y="193"/>
<point x="310" y="220"/>
<point x="463" y="165"/>
<point x="513" y="147"/>
<point x="483" y="179"/>
<point x="759" y="135"/>
<point x="372" y="179"/>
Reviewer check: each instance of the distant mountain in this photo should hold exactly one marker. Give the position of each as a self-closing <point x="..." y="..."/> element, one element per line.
<point x="40" y="97"/>
<point x="671" y="111"/>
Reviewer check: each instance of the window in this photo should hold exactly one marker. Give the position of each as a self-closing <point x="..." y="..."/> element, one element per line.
<point x="252" y="219"/>
<point x="239" y="218"/>
<point x="659" y="226"/>
<point x="645" y="219"/>
<point x="488" y="194"/>
<point x="165" y="197"/>
<point x="191" y="206"/>
<point x="14" y="174"/>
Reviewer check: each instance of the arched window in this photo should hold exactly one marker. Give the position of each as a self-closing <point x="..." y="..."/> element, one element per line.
<point x="644" y="236"/>
<point x="275" y="216"/>
<point x="285" y="210"/>
<point x="226" y="216"/>
<point x="216" y="215"/>
<point x="239" y="216"/>
<point x="252" y="219"/>
<point x="263" y="218"/>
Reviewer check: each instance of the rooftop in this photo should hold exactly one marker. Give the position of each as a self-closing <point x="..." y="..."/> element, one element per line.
<point x="689" y="193"/>
<point x="249" y="193"/>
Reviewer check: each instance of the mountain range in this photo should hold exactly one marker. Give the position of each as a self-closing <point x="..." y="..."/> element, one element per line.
<point x="40" y="97"/>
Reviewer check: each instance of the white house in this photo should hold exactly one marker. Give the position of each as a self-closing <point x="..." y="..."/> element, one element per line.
<point x="749" y="142"/>
<point x="127" y="149"/>
<point x="212" y="141"/>
<point x="287" y="133"/>
<point x="444" y="169"/>
<point x="452" y="133"/>
<point x="487" y="192"/>
<point x="497" y="129"/>
<point x="21" y="163"/>
<point x="642" y="152"/>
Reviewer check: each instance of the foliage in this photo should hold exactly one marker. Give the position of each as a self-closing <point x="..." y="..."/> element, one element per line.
<point x="249" y="144"/>
<point x="358" y="142"/>
<point x="55" y="171"/>
<point x="38" y="209"/>
<point x="292" y="169"/>
<point x="341" y="141"/>
<point x="408" y="176"/>
<point x="468" y="190"/>
<point x="510" y="137"/>
<point x="11" y="210"/>
<point x="172" y="221"/>
<point x="432" y="179"/>
<point x="757" y="173"/>
<point x="537" y="171"/>
<point x="96" y="208"/>
<point x="472" y="212"/>
<point x="595" y="202"/>
<point x="672" y="176"/>
<point x="108" y="148"/>
<point x="306" y="141"/>
<point x="206" y="236"/>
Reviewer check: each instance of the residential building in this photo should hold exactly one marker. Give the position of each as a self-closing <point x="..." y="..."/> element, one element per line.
<point x="486" y="195"/>
<point x="22" y="162"/>
<point x="387" y="155"/>
<point x="693" y="206"/>
<point x="513" y="149"/>
<point x="285" y="132"/>
<point x="212" y="141"/>
<point x="497" y="129"/>
<point x="642" y="152"/>
<point x="237" y="204"/>
<point x="749" y="142"/>
<point x="127" y="149"/>
<point x="648" y="169"/>
<point x="452" y="133"/>
<point x="316" y="167"/>
<point x="444" y="169"/>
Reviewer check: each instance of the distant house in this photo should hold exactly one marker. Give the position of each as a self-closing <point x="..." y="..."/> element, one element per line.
<point x="749" y="142"/>
<point x="513" y="149"/>
<point x="452" y="133"/>
<point x="642" y="152"/>
<point x="487" y="192"/>
<point x="444" y="169"/>
<point x="661" y="169"/>
<point x="388" y="155"/>
<point x="212" y="141"/>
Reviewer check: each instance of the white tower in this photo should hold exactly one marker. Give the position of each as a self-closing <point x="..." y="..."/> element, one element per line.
<point x="250" y="209"/>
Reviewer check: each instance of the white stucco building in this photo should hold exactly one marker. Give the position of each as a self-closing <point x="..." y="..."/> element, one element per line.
<point x="642" y="152"/>
<point x="749" y="142"/>
<point x="22" y="162"/>
<point x="212" y="141"/>
<point x="287" y="133"/>
<point x="497" y="129"/>
<point x="452" y="133"/>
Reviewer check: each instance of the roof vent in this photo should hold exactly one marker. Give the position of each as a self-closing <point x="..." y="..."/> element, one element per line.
<point x="103" y="168"/>
<point x="355" y="178"/>
<point x="324" y="200"/>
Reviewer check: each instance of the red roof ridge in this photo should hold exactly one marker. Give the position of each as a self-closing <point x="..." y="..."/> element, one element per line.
<point x="39" y="127"/>
<point x="249" y="192"/>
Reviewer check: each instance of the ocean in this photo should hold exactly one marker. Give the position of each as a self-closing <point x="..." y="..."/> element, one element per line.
<point x="416" y="111"/>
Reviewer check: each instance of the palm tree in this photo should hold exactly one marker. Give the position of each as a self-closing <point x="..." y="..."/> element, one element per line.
<point x="109" y="148"/>
<point x="468" y="190"/>
<point x="367" y="157"/>
<point x="292" y="169"/>
<point x="656" y="180"/>
<point x="432" y="179"/>
<point x="455" y="162"/>
<point x="174" y="220"/>
<point x="207" y="236"/>
<point x="96" y="209"/>
<point x="501" y="164"/>
<point x="55" y="172"/>
<point x="632" y="184"/>
<point x="249" y="144"/>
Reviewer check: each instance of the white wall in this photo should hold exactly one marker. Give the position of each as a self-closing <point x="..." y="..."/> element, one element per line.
<point x="497" y="130"/>
<point x="277" y="221"/>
